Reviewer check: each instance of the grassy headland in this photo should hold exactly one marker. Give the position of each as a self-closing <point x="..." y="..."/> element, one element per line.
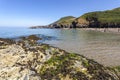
<point x="108" y="18"/>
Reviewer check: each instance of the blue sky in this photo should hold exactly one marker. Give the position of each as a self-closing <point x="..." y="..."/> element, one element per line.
<point x="43" y="12"/>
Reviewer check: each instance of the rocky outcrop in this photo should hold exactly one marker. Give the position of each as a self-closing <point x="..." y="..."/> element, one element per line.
<point x="24" y="60"/>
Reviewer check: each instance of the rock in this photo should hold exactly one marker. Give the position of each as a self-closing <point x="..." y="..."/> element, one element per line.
<point x="33" y="37"/>
<point x="73" y="66"/>
<point x="43" y="62"/>
<point x="6" y="41"/>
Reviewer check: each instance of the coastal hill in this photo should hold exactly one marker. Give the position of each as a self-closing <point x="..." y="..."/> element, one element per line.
<point x="98" y="19"/>
<point x="63" y="22"/>
<point x="108" y="18"/>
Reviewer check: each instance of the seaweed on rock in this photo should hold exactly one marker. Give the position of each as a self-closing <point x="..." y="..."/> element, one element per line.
<point x="44" y="62"/>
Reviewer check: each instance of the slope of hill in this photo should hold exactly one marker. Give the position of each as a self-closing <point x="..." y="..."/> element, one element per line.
<point x="64" y="22"/>
<point x="109" y="18"/>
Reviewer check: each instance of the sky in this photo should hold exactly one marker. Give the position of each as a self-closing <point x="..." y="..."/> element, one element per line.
<point x="43" y="12"/>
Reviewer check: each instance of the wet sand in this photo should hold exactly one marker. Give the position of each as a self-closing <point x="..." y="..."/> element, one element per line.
<point x="106" y="51"/>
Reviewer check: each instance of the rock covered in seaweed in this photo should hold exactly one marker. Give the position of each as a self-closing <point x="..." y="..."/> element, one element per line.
<point x="74" y="67"/>
<point x="43" y="62"/>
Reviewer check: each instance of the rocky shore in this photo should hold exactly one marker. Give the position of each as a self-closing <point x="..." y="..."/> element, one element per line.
<point x="27" y="60"/>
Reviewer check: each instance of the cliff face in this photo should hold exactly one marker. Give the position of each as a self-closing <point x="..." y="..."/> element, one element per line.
<point x="27" y="60"/>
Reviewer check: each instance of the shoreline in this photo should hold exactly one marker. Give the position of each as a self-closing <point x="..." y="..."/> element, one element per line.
<point x="108" y="30"/>
<point x="105" y="53"/>
<point x="98" y="52"/>
<point x="106" y="56"/>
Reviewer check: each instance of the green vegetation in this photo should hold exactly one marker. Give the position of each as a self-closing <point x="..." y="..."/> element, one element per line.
<point x="109" y="16"/>
<point x="72" y="66"/>
<point x="59" y="67"/>
<point x="66" y="20"/>
<point x="117" y="68"/>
